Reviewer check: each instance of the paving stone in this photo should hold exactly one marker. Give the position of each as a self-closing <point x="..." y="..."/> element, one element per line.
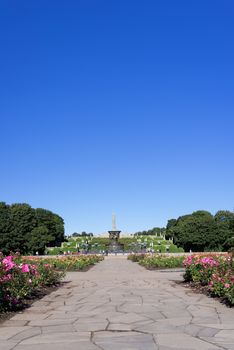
<point x="208" y="332"/>
<point x="65" y="328"/>
<point x="14" y="323"/>
<point x="183" y="341"/>
<point x="225" y="335"/>
<point x="127" y="318"/>
<point x="124" y="341"/>
<point x="9" y="332"/>
<point x="120" y="327"/>
<point x="54" y="338"/>
<point x="62" y="315"/>
<point x="220" y="342"/>
<point x="158" y="328"/>
<point x="28" y="332"/>
<point x="49" y="322"/>
<point x="90" y="326"/>
<point x="6" y="345"/>
<point x="29" y="316"/>
<point x="219" y="326"/>
<point x="79" y="345"/>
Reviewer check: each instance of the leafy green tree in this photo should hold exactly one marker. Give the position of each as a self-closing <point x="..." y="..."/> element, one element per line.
<point x="224" y="216"/>
<point x="229" y="243"/>
<point x="223" y="219"/>
<point x="192" y="231"/>
<point x="169" y="228"/>
<point x="201" y="231"/>
<point x="23" y="222"/>
<point x="75" y="234"/>
<point x="5" y="227"/>
<point x="153" y="232"/>
<point x="25" y="229"/>
<point x="54" y="224"/>
<point x="39" y="239"/>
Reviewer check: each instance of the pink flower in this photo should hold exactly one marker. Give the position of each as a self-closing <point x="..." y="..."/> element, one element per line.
<point x="209" y="262"/>
<point x="188" y="261"/>
<point x="25" y="268"/>
<point x="7" y="258"/>
<point x="47" y="265"/>
<point x="8" y="277"/>
<point x="7" y="261"/>
<point x="227" y="285"/>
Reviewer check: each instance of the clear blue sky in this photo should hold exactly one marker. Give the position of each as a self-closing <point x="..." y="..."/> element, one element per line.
<point x="117" y="106"/>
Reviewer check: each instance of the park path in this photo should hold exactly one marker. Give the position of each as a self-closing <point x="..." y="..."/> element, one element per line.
<point x="118" y="305"/>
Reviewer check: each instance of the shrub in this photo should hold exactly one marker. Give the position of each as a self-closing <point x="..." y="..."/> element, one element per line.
<point x="67" y="263"/>
<point x="136" y="257"/>
<point x="157" y="260"/>
<point x="216" y="271"/>
<point x="19" y="279"/>
<point x="162" y="261"/>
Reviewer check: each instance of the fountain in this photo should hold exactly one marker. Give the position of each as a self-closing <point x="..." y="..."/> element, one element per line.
<point x="114" y="234"/>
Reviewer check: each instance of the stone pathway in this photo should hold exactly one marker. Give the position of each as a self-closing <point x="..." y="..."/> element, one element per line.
<point x="118" y="305"/>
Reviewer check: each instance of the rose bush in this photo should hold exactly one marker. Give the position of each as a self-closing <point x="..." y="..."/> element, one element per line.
<point x="162" y="262"/>
<point x="66" y="263"/>
<point x="156" y="261"/>
<point x="19" y="280"/>
<point x="214" y="271"/>
<point x="136" y="257"/>
<point x="20" y="277"/>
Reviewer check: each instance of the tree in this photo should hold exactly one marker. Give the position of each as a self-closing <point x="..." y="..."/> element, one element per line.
<point x="5" y="227"/>
<point x="224" y="216"/>
<point x="39" y="239"/>
<point x="201" y="230"/>
<point x="153" y="232"/>
<point x="223" y="219"/>
<point x="54" y="223"/>
<point x="75" y="234"/>
<point x="229" y="243"/>
<point x="169" y="228"/>
<point x="192" y="231"/>
<point x="23" y="222"/>
<point x="26" y="229"/>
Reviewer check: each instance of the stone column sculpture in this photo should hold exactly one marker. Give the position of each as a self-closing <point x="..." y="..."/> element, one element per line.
<point x="114" y="222"/>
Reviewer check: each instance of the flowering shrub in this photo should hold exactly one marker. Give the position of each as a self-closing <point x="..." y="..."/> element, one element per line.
<point x="18" y="280"/>
<point x="214" y="271"/>
<point x="161" y="261"/>
<point x="66" y="263"/>
<point x="157" y="261"/>
<point x="20" y="277"/>
<point x="136" y="257"/>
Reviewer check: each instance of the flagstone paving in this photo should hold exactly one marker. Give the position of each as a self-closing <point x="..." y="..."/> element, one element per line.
<point x="120" y="305"/>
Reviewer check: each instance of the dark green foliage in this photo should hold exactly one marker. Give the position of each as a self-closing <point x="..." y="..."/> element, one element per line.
<point x="39" y="238"/>
<point x="28" y="230"/>
<point x="156" y="231"/>
<point x="23" y="220"/>
<point x="82" y="234"/>
<point x="54" y="225"/>
<point x="201" y="231"/>
<point x="129" y="243"/>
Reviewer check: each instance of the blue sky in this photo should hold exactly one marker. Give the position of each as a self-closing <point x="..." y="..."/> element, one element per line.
<point x="117" y="106"/>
